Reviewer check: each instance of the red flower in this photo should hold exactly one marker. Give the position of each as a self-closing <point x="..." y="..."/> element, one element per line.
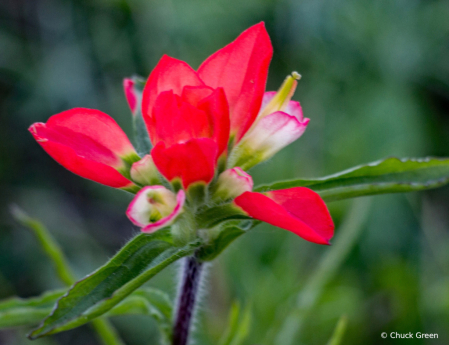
<point x="193" y="118"/>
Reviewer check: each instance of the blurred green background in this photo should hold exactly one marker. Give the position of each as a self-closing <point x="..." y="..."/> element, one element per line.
<point x="375" y="84"/>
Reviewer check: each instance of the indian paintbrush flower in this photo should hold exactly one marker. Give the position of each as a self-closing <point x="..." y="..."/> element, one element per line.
<point x="206" y="127"/>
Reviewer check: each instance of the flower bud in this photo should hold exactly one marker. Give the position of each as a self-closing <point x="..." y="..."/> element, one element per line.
<point x="130" y="94"/>
<point x="133" y="88"/>
<point x="231" y="183"/>
<point x="145" y="172"/>
<point x="155" y="207"/>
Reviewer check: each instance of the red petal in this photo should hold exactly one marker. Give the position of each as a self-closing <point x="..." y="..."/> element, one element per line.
<point x="93" y="126"/>
<point x="74" y="161"/>
<point x="241" y="68"/>
<point x="87" y="142"/>
<point x="169" y="74"/>
<point x="177" y="121"/>
<point x="216" y="106"/>
<point x="191" y="161"/>
<point x="194" y="94"/>
<point x="299" y="210"/>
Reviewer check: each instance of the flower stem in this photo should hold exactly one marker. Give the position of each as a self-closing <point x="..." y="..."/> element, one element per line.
<point x="187" y="298"/>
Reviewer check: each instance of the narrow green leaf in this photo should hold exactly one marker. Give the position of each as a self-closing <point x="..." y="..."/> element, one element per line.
<point x="48" y="243"/>
<point x="211" y="250"/>
<point x="238" y="328"/>
<point x="142" y="139"/>
<point x="339" y="331"/>
<point x="138" y="261"/>
<point x="391" y="175"/>
<point x="27" y="311"/>
<point x="150" y="302"/>
<point x="30" y="311"/>
<point x="106" y="332"/>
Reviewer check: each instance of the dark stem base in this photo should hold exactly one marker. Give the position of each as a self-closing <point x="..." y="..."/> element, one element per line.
<point x="186" y="300"/>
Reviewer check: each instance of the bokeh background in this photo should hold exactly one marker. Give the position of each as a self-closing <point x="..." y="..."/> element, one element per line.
<point x="375" y="84"/>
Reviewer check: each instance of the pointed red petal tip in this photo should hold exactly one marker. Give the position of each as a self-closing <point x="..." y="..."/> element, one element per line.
<point x="241" y="68"/>
<point x="191" y="161"/>
<point x="87" y="142"/>
<point x="131" y="97"/>
<point x="169" y="74"/>
<point x="299" y="210"/>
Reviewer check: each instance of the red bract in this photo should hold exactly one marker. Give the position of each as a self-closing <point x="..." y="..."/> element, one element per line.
<point x="299" y="210"/>
<point x="89" y="143"/>
<point x="221" y="100"/>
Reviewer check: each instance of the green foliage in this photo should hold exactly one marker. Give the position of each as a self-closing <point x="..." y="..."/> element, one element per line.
<point x="239" y="324"/>
<point x="138" y="261"/>
<point x="327" y="268"/>
<point x="30" y="311"/>
<point x="339" y="331"/>
<point x="391" y="175"/>
<point x="24" y="312"/>
<point x="48" y="244"/>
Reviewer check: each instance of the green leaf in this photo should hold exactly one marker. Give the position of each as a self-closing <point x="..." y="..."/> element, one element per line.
<point x="138" y="261"/>
<point x="142" y="139"/>
<point x="391" y="175"/>
<point x="239" y="323"/>
<point x="150" y="302"/>
<point x="211" y="250"/>
<point x="339" y="331"/>
<point x="30" y="311"/>
<point x="48" y="243"/>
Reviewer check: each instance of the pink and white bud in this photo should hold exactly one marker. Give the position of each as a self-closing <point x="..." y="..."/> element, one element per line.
<point x="279" y="123"/>
<point x="145" y="172"/>
<point x="155" y="207"/>
<point x="231" y="183"/>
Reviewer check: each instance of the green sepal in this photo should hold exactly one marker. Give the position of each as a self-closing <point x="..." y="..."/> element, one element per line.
<point x="392" y="175"/>
<point x="137" y="262"/>
<point x="225" y="237"/>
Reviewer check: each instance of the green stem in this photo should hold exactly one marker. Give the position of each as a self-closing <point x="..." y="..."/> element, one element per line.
<point x="103" y="327"/>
